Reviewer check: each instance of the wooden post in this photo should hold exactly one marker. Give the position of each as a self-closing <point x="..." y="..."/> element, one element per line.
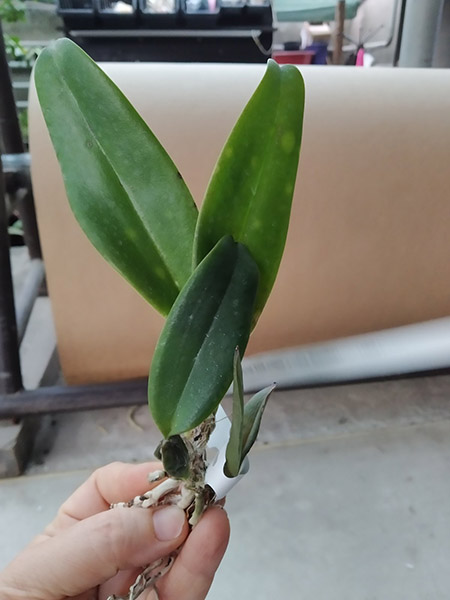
<point x="338" y="37"/>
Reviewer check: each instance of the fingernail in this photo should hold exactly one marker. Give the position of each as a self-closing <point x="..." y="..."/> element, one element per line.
<point x="168" y="523"/>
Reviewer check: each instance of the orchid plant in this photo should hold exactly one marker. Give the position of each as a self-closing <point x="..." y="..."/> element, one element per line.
<point x="209" y="272"/>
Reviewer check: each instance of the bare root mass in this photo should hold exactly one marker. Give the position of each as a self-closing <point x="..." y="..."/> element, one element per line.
<point x="190" y="493"/>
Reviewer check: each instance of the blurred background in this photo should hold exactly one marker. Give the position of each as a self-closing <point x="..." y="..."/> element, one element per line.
<point x="347" y="495"/>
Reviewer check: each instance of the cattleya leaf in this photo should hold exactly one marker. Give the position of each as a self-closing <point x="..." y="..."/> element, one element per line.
<point x="192" y="366"/>
<point x="123" y="188"/>
<point x="245" y="421"/>
<point x="250" y="193"/>
<point x="253" y="412"/>
<point x="234" y="447"/>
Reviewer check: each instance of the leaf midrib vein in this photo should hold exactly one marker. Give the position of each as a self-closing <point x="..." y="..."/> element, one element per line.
<point x="194" y="362"/>
<point x="260" y="174"/>
<point x="122" y="185"/>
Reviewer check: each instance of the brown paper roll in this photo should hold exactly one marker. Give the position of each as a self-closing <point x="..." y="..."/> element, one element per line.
<point x="369" y="242"/>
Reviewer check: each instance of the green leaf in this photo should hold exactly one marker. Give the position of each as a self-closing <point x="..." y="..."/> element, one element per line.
<point x="253" y="412"/>
<point x="192" y="366"/>
<point x="234" y="446"/>
<point x="11" y="12"/>
<point x="124" y="189"/>
<point x="250" y="193"/>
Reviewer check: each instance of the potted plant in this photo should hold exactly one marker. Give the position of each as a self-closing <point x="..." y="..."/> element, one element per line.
<point x="209" y="272"/>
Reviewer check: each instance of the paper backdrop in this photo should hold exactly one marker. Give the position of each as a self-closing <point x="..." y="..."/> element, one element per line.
<point x="369" y="243"/>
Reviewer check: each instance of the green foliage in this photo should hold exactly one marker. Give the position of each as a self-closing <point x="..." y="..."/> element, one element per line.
<point x="253" y="412"/>
<point x="133" y="205"/>
<point x="16" y="229"/>
<point x="124" y="190"/>
<point x="16" y="51"/>
<point x="13" y="47"/>
<point x="12" y="11"/>
<point x="250" y="193"/>
<point x="246" y="421"/>
<point x="234" y="447"/>
<point x="23" y="123"/>
<point x="192" y="366"/>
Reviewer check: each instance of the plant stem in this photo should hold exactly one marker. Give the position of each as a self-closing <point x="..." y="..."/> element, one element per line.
<point x="191" y="494"/>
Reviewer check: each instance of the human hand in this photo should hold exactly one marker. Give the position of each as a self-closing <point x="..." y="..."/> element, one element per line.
<point x="89" y="552"/>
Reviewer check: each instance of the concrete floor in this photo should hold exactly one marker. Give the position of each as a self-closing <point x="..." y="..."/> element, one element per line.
<point x="352" y="509"/>
<point x="346" y="498"/>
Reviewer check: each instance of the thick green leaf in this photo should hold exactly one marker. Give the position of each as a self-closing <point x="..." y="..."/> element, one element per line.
<point x="124" y="189"/>
<point x="250" y="193"/>
<point x="192" y="366"/>
<point x="234" y="446"/>
<point x="253" y="412"/>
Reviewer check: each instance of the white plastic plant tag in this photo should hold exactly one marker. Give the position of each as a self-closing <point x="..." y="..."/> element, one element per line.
<point x="215" y="477"/>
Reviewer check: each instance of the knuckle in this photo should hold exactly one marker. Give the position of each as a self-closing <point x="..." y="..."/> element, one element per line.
<point x="115" y="536"/>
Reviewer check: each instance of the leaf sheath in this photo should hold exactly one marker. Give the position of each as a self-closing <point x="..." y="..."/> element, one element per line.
<point x="192" y="366"/>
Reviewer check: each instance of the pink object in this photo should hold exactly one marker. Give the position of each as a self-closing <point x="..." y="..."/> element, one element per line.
<point x="360" y="58"/>
<point x="293" y="57"/>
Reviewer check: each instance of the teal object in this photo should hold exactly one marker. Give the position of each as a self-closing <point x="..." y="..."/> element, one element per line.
<point x="314" y="11"/>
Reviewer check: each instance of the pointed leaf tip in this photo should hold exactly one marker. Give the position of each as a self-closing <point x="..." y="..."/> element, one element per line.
<point x="122" y="186"/>
<point x="253" y="412"/>
<point x="250" y="192"/>
<point x="234" y="446"/>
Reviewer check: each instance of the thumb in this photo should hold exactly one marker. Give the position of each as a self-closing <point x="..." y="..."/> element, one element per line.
<point x="94" y="550"/>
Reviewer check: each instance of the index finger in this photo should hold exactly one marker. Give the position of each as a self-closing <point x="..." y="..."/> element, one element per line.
<point x="115" y="482"/>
